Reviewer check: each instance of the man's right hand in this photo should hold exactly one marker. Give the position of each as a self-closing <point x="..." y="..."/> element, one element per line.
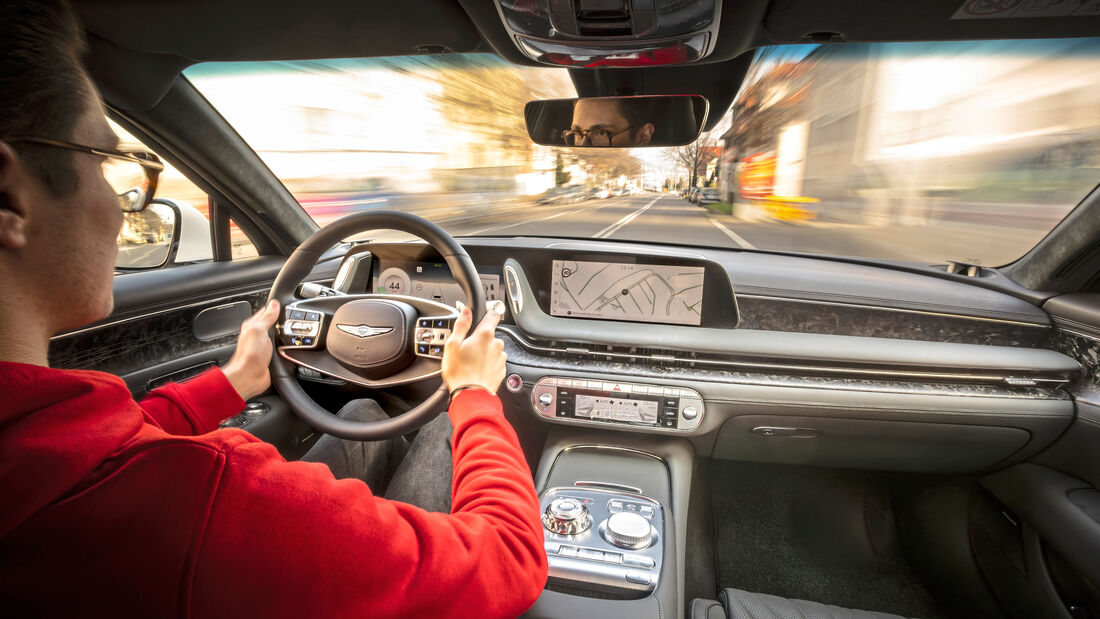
<point x="477" y="359"/>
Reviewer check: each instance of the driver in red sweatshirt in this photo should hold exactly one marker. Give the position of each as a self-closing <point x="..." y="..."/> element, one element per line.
<point x="112" y="507"/>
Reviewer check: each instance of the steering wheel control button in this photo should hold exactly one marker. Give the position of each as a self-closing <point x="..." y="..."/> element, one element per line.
<point x="514" y="383"/>
<point x="566" y="516"/>
<point x="441" y="323"/>
<point x="629" y="530"/>
<point x="435" y="350"/>
<point x="421" y="349"/>
<point x="424" y="323"/>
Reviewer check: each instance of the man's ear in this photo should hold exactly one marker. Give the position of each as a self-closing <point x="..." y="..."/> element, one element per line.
<point x="645" y="134"/>
<point x="13" y="199"/>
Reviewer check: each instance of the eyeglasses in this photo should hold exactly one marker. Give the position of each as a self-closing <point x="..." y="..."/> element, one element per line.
<point x="132" y="173"/>
<point x="595" y="137"/>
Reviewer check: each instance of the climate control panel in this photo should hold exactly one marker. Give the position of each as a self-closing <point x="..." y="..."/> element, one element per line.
<point x="632" y="404"/>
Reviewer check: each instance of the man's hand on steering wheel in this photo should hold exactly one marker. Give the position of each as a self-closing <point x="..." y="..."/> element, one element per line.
<point x="477" y="360"/>
<point x="248" y="369"/>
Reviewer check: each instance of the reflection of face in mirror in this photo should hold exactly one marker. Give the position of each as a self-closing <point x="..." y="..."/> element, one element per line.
<point x="608" y="122"/>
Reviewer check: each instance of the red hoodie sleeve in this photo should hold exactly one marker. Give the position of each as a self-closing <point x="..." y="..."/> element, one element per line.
<point x="289" y="540"/>
<point x="193" y="407"/>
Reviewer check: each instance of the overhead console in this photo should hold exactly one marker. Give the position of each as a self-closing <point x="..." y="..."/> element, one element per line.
<point x="611" y="33"/>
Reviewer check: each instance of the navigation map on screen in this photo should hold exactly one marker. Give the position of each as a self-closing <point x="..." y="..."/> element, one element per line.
<point x="615" y="291"/>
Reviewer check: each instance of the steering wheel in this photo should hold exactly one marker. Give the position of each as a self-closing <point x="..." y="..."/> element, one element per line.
<point x="371" y="340"/>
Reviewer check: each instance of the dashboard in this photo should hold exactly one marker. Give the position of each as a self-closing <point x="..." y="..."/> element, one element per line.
<point x="753" y="356"/>
<point x="576" y="285"/>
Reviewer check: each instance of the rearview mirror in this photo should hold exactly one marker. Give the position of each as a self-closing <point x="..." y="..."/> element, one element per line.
<point x="626" y="122"/>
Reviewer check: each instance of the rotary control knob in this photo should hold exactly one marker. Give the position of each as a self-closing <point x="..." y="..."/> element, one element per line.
<point x="566" y="517"/>
<point x="628" y="530"/>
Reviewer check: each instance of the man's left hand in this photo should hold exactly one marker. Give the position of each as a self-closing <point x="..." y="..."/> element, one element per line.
<point x="247" y="370"/>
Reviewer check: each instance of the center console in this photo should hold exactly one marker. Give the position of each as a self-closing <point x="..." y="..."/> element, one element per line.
<point x="610" y="512"/>
<point x="603" y="539"/>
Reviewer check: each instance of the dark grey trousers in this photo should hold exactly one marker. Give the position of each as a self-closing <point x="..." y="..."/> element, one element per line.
<point x="418" y="473"/>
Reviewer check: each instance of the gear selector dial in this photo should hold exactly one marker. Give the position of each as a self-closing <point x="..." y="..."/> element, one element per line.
<point x="566" y="516"/>
<point x="628" y="530"/>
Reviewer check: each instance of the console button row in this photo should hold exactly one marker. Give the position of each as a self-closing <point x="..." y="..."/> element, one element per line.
<point x="622" y="388"/>
<point x="592" y="554"/>
<point x="633" y="507"/>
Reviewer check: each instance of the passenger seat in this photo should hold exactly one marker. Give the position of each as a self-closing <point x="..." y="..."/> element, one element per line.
<point x="738" y="604"/>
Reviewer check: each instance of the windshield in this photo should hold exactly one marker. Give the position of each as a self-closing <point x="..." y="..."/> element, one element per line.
<point x="924" y="152"/>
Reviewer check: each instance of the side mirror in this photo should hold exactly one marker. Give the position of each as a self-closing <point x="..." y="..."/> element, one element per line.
<point x="617" y="122"/>
<point x="167" y="232"/>
<point x="146" y="238"/>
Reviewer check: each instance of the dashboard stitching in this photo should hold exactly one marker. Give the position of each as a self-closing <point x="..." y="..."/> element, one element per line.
<point x="1087" y="421"/>
<point x="1090" y="331"/>
<point x="826" y="294"/>
<point x="880" y="409"/>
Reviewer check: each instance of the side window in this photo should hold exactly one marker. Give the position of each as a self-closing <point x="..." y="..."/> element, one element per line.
<point x="176" y="231"/>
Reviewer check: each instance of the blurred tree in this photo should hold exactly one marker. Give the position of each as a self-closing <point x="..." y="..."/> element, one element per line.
<point x="609" y="164"/>
<point x="694" y="157"/>
<point x="481" y="101"/>
<point x="561" y="177"/>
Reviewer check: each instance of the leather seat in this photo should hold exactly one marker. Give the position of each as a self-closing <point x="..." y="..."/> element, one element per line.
<point x="737" y="604"/>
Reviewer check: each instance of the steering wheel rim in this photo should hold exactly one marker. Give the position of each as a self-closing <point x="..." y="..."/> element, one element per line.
<point x="299" y="265"/>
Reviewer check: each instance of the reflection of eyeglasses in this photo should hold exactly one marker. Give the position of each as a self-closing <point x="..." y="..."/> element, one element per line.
<point x="132" y="173"/>
<point x="595" y="137"/>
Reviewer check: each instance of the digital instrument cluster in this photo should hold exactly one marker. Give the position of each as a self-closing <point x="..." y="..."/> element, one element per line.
<point x="430" y="280"/>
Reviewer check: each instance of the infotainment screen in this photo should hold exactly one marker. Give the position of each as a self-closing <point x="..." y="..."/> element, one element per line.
<point x="616" y="291"/>
<point x="616" y="409"/>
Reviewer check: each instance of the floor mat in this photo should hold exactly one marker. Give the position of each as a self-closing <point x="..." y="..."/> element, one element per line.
<point x="824" y="535"/>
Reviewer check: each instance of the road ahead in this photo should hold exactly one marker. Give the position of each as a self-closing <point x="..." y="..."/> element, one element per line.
<point x="666" y="218"/>
<point x="646" y="217"/>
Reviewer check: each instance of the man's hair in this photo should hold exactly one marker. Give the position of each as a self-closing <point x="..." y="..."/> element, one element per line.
<point x="44" y="88"/>
<point x="637" y="113"/>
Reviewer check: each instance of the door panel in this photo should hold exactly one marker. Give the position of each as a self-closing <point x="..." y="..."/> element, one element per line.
<point x="1053" y="503"/>
<point x="172" y="324"/>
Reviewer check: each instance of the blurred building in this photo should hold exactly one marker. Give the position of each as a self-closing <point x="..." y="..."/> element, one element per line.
<point x="907" y="133"/>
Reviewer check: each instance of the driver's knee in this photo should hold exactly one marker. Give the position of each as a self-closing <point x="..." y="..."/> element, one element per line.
<point x="363" y="409"/>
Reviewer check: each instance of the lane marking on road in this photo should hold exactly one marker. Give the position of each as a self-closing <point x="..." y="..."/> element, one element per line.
<point x="520" y="223"/>
<point x="343" y="202"/>
<point x="613" y="228"/>
<point x="737" y="238"/>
